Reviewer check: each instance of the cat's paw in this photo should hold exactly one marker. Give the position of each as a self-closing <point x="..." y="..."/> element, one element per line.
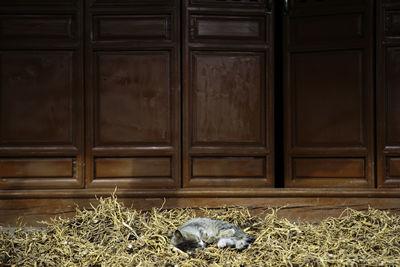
<point x="241" y="244"/>
<point x="225" y="242"/>
<point x="221" y="243"/>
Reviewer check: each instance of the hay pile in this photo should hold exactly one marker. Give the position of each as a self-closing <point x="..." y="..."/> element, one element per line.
<point x="113" y="235"/>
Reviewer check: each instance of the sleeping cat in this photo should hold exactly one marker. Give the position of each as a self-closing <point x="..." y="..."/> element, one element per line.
<point x="197" y="233"/>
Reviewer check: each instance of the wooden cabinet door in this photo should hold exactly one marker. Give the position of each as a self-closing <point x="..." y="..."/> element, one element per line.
<point x="227" y="94"/>
<point x="328" y="93"/>
<point x="388" y="93"/>
<point x="41" y="93"/>
<point x="133" y="93"/>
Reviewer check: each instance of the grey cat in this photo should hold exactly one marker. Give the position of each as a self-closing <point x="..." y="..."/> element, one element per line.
<point x="197" y="233"/>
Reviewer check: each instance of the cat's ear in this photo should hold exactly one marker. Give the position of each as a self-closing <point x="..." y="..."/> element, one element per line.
<point x="178" y="234"/>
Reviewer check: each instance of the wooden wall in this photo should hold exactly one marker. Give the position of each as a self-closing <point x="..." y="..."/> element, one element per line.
<point x="205" y="102"/>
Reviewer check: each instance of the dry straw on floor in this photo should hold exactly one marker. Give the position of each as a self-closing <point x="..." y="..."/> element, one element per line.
<point x="113" y="235"/>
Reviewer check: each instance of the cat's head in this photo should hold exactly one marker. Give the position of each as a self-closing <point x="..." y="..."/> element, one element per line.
<point x="186" y="241"/>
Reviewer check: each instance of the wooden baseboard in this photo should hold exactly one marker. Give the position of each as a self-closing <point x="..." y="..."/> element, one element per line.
<point x="203" y="193"/>
<point x="32" y="210"/>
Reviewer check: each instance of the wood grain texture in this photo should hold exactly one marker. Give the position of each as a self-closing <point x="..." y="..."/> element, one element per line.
<point x="310" y="209"/>
<point x="227" y="93"/>
<point x="41" y="94"/>
<point x="329" y="91"/>
<point x="388" y="93"/>
<point x="133" y="94"/>
<point x="228" y="167"/>
<point x="36" y="167"/>
<point x="133" y="167"/>
<point x="329" y="168"/>
<point x="131" y="27"/>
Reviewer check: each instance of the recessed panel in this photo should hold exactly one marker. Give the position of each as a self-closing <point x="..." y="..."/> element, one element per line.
<point x="36" y="98"/>
<point x="329" y="168"/>
<point x="41" y="3"/>
<point x="133" y="167"/>
<point x="392" y="81"/>
<point x="131" y="3"/>
<point x="133" y="98"/>
<point x="326" y="29"/>
<point x="393" y="167"/>
<point x="392" y="23"/>
<point x="228" y="167"/>
<point x="132" y="27"/>
<point x="327" y="93"/>
<point x="228" y="91"/>
<point x="33" y="167"/>
<point x="238" y="28"/>
<point x="298" y="4"/>
<point x="244" y="3"/>
<point x="31" y="27"/>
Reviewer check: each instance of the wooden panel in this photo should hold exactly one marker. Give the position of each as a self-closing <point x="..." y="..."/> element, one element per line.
<point x="392" y="80"/>
<point x="329" y="168"/>
<point x="30" y="27"/>
<point x="393" y="166"/>
<point x="41" y="3"/>
<point x="328" y="105"/>
<point x="41" y="94"/>
<point x="328" y="93"/>
<point x="133" y="167"/>
<point x="133" y="98"/>
<point x="133" y="94"/>
<point x="128" y="27"/>
<point x="31" y="167"/>
<point x="36" y="98"/>
<point x="388" y="93"/>
<point x="234" y="28"/>
<point x="228" y="98"/>
<point x="326" y="29"/>
<point x="228" y="167"/>
<point x="323" y="4"/>
<point x="392" y="23"/>
<point x="130" y="3"/>
<point x="228" y="94"/>
<point x="244" y="3"/>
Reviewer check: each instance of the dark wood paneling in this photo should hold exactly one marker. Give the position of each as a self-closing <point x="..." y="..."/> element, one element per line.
<point x="228" y="3"/>
<point x="28" y="27"/>
<point x="36" y="98"/>
<point x="41" y="167"/>
<point x="228" y="167"/>
<point x="45" y="4"/>
<point x="393" y="166"/>
<point x="391" y="23"/>
<point x="132" y="107"/>
<point x="133" y="94"/>
<point x="392" y="77"/>
<point x="130" y="3"/>
<point x="388" y="93"/>
<point x="132" y="167"/>
<point x="328" y="168"/>
<point x="245" y="28"/>
<point x="227" y="94"/>
<point x="327" y="111"/>
<point x="316" y="5"/>
<point x="328" y="94"/>
<point x="319" y="29"/>
<point x="41" y="94"/>
<point x="128" y="27"/>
